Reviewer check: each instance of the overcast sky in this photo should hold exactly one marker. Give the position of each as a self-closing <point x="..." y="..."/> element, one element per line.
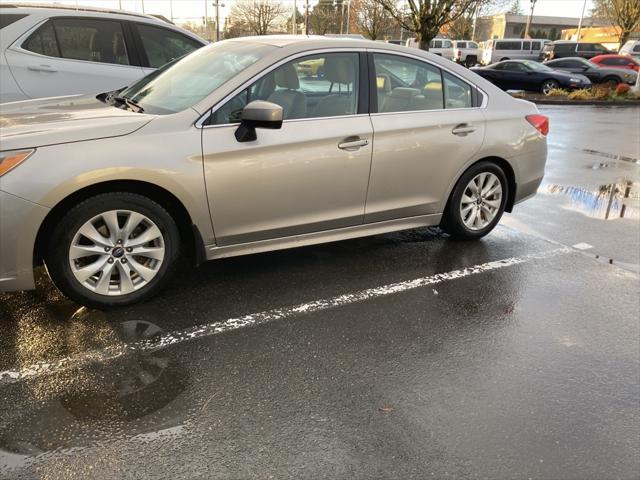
<point x="194" y="10"/>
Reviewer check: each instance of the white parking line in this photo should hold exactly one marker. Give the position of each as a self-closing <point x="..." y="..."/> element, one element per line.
<point x="253" y="319"/>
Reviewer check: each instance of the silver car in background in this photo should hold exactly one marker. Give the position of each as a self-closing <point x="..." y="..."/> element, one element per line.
<point x="232" y="150"/>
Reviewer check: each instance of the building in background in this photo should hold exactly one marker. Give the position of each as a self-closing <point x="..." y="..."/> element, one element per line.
<point x="506" y="25"/>
<point x="607" y="36"/>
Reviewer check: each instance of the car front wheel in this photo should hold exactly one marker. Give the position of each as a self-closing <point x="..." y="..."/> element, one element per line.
<point x="477" y="202"/>
<point x="112" y="250"/>
<point x="548" y="85"/>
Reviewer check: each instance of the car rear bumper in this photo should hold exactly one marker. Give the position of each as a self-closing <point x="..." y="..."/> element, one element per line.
<point x="20" y="220"/>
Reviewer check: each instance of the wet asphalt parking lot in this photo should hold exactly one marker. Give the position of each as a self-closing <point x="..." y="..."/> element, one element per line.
<point x="407" y="355"/>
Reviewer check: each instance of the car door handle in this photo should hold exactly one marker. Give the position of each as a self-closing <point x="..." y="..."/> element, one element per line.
<point x="42" y="68"/>
<point x="353" y="143"/>
<point x="463" y="129"/>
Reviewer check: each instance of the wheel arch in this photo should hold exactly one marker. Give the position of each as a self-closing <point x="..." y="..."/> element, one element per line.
<point x="190" y="235"/>
<point x="508" y="171"/>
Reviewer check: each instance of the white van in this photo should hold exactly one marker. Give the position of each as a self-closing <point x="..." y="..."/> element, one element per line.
<point x="512" y="49"/>
<point x="439" y="46"/>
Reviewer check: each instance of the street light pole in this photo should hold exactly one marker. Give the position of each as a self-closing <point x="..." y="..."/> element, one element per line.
<point x="584" y="6"/>
<point x="529" y="19"/>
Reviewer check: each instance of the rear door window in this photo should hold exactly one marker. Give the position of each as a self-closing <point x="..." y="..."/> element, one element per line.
<point x="92" y="40"/>
<point x="457" y="94"/>
<point x="508" y="45"/>
<point x="526" y="45"/>
<point x="535" y="45"/>
<point x="162" y="45"/>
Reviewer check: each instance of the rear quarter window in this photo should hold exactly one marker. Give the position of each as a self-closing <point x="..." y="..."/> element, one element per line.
<point x="7" y="19"/>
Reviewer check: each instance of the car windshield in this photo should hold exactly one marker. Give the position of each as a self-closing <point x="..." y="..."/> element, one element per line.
<point x="537" y="67"/>
<point x="176" y="87"/>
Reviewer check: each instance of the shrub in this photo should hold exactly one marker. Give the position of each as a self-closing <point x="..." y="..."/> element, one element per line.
<point x="601" y="92"/>
<point x="557" y="92"/>
<point x="582" y="94"/>
<point x="622" y="89"/>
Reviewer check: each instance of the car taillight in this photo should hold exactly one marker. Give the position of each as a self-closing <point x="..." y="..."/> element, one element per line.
<point x="540" y="123"/>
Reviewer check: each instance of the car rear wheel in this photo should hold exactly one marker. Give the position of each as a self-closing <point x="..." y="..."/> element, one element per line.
<point x="547" y="86"/>
<point x="477" y="202"/>
<point x="112" y="250"/>
<point x="470" y="61"/>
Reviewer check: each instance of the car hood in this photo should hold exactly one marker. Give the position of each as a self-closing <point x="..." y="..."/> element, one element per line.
<point x="50" y="121"/>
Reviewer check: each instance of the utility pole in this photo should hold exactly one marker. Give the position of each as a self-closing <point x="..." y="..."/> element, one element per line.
<point x="584" y="6"/>
<point x="295" y="18"/>
<point x="526" y="30"/>
<point x="306" y="18"/>
<point x="348" y="14"/>
<point x="218" y="5"/>
<point x="171" y="10"/>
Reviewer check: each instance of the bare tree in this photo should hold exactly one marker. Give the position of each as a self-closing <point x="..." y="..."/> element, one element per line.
<point x="425" y="18"/>
<point x="624" y="14"/>
<point x="326" y="17"/>
<point x="259" y="16"/>
<point x="372" y="19"/>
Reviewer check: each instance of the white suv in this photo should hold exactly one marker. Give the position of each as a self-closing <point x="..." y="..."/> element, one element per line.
<point x="632" y="48"/>
<point x="53" y="51"/>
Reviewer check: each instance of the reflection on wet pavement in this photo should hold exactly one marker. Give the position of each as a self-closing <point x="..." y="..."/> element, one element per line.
<point x="608" y="202"/>
<point x="80" y="406"/>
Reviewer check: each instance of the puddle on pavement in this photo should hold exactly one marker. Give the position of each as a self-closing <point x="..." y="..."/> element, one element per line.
<point x="86" y="404"/>
<point x="608" y="202"/>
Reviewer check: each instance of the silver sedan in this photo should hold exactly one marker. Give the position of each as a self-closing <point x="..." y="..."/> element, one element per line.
<point x="251" y="145"/>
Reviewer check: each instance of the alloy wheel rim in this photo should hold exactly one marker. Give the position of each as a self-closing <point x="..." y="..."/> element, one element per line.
<point x="548" y="87"/>
<point x="481" y="201"/>
<point x="116" y="252"/>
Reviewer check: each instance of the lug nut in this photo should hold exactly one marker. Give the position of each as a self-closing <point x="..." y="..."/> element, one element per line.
<point x="107" y="249"/>
<point x="123" y="260"/>
<point x="110" y="260"/>
<point x="119" y="242"/>
<point x="129" y="249"/>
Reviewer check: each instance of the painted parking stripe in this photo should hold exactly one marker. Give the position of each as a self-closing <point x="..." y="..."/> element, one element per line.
<point x="254" y="319"/>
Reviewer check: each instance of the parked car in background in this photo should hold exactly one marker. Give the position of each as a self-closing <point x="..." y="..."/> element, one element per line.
<point x="632" y="47"/>
<point x="531" y="76"/>
<point x="511" y="49"/>
<point x="567" y="48"/>
<point x="232" y="139"/>
<point x="466" y="52"/>
<point x="52" y="51"/>
<point x="625" y="62"/>
<point x="438" y="46"/>
<point x="595" y="73"/>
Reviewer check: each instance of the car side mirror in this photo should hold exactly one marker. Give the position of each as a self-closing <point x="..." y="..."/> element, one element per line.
<point x="258" y="114"/>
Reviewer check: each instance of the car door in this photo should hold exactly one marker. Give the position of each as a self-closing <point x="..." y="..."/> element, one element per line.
<point x="159" y="46"/>
<point x="426" y="128"/>
<point x="72" y="55"/>
<point x="308" y="176"/>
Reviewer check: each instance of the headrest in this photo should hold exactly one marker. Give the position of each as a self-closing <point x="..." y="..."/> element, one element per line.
<point x="405" y="92"/>
<point x="286" y="77"/>
<point x="339" y="68"/>
<point x="383" y="82"/>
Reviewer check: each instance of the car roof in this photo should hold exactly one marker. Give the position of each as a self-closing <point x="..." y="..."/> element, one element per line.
<point x="54" y="9"/>
<point x="317" y="41"/>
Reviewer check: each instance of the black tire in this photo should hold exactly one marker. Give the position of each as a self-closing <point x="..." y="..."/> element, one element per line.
<point x="57" y="250"/>
<point x="470" y="61"/>
<point x="611" y="82"/>
<point x="452" y="222"/>
<point x="548" y="85"/>
<point x="503" y="59"/>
